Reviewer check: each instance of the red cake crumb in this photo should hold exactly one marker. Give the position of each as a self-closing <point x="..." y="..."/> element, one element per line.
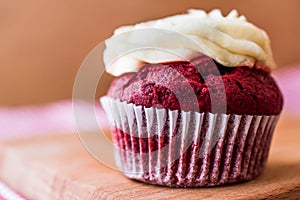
<point x="173" y="85"/>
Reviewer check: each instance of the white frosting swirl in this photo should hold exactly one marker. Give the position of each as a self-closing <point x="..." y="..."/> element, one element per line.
<point x="230" y="40"/>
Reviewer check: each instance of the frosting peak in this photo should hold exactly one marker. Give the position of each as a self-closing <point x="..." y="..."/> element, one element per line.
<point x="230" y="40"/>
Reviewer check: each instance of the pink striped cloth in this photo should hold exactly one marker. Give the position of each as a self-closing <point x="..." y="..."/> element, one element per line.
<point x="8" y="194"/>
<point x="58" y="117"/>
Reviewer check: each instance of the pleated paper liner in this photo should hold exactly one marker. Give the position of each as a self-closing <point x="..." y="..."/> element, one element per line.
<point x="188" y="149"/>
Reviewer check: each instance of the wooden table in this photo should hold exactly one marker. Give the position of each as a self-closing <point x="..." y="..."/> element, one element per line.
<point x="58" y="167"/>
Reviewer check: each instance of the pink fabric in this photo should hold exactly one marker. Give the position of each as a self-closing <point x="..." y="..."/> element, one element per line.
<point x="56" y="118"/>
<point x="7" y="194"/>
<point x="289" y="82"/>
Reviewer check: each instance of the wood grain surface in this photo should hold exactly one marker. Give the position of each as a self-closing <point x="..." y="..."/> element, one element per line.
<point x="58" y="167"/>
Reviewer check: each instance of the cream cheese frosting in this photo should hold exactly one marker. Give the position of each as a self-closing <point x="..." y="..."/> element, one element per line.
<point x="231" y="40"/>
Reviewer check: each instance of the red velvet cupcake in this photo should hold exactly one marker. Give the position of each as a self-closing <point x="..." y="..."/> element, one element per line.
<point x="195" y="122"/>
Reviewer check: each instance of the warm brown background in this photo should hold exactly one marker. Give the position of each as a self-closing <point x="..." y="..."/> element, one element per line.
<point x="42" y="43"/>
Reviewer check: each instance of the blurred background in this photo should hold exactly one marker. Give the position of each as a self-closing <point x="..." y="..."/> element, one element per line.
<point x="44" y="42"/>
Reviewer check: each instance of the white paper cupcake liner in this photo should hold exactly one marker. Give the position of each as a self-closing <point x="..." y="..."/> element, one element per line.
<point x="188" y="149"/>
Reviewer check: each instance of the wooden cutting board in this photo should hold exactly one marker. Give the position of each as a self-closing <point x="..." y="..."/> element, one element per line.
<point x="58" y="167"/>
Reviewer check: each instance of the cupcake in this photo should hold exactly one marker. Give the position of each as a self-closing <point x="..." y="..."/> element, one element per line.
<point x="204" y="117"/>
